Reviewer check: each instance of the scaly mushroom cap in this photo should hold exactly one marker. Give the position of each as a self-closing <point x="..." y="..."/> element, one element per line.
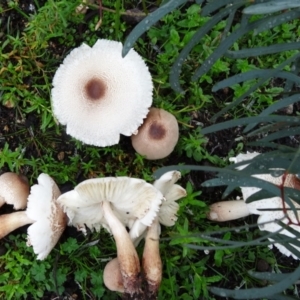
<point x="99" y="95"/>
<point x="14" y="190"/>
<point x="49" y="218"/>
<point x="158" y="135"/>
<point x="132" y="200"/>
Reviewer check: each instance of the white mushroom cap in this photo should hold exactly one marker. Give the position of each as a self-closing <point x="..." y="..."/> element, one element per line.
<point x="49" y="218"/>
<point x="167" y="214"/>
<point x="131" y="200"/>
<point x="14" y="190"/>
<point x="172" y="192"/>
<point x="99" y="95"/>
<point x="158" y="135"/>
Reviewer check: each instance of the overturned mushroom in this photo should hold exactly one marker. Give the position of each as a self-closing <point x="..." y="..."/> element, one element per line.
<point x="270" y="209"/>
<point x="14" y="190"/>
<point x="113" y="203"/>
<point x="158" y="135"/>
<point x="43" y="212"/>
<point x="99" y="95"/>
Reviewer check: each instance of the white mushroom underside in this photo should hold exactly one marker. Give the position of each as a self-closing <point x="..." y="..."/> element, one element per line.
<point x="132" y="200"/>
<point x="127" y="98"/>
<point x="44" y="233"/>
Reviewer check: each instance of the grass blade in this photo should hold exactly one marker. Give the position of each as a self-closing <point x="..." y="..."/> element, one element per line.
<point x="146" y="23"/>
<point x="270" y="7"/>
<point x="253" y="74"/>
<point x="262" y="50"/>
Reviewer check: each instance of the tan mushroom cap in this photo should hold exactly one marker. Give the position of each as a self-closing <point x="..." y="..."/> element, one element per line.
<point x="158" y="135"/>
<point x="14" y="190"/>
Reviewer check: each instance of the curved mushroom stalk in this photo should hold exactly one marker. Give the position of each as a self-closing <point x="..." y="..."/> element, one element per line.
<point x="11" y="222"/>
<point x="152" y="264"/>
<point x="228" y="210"/>
<point x="127" y="256"/>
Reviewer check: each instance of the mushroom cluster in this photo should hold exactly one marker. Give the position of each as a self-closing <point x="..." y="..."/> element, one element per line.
<point x="129" y="208"/>
<point x="270" y="210"/>
<point x="99" y="95"/>
<point x="117" y="203"/>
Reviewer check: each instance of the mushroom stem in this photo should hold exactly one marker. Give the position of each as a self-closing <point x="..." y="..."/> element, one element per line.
<point x="127" y="255"/>
<point x="228" y="210"/>
<point x="10" y="222"/>
<point x="152" y="264"/>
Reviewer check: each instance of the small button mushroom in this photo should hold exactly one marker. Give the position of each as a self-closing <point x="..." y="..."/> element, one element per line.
<point x="158" y="135"/>
<point x="14" y="190"/>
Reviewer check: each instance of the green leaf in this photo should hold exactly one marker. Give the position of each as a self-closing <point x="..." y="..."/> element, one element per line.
<point x="253" y="74"/>
<point x="249" y="120"/>
<point x="271" y="6"/>
<point x="275" y="106"/>
<point x="200" y="33"/>
<point x="266" y="23"/>
<point x="146" y="23"/>
<point x="212" y="6"/>
<point x="259" y="293"/>
<point x="277" y="48"/>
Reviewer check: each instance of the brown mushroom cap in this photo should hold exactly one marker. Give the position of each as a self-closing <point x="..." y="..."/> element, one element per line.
<point x="158" y="135"/>
<point x="14" y="190"/>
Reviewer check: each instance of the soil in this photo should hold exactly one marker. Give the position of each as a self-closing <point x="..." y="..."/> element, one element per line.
<point x="15" y="128"/>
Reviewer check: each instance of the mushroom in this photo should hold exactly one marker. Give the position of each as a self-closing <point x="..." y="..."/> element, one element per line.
<point x="113" y="203"/>
<point x="14" y="190"/>
<point x="99" y="95"/>
<point x="151" y="263"/>
<point x="270" y="209"/>
<point x="43" y="212"/>
<point x="158" y="135"/>
<point x="169" y="207"/>
<point x="112" y="276"/>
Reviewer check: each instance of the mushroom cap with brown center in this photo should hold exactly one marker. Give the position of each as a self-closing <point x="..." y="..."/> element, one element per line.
<point x="14" y="190"/>
<point x="158" y="135"/>
<point x="99" y="95"/>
